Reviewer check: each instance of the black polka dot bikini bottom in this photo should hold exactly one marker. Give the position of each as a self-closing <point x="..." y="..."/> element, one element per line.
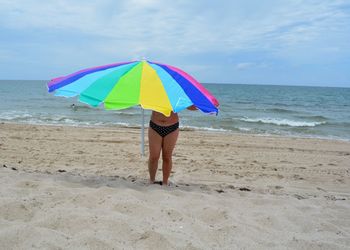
<point x="163" y="130"/>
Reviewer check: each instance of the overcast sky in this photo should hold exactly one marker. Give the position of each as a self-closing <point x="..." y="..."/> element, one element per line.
<point x="289" y="42"/>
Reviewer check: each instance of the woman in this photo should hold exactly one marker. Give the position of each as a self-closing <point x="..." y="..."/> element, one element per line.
<point x="162" y="136"/>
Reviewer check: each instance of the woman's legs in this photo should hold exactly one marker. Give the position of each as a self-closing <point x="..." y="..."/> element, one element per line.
<point x="168" y="146"/>
<point x="155" y="146"/>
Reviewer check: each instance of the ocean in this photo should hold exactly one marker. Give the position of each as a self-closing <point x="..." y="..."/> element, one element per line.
<point x="319" y="112"/>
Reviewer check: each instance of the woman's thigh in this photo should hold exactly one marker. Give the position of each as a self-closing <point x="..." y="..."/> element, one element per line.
<point x="155" y="143"/>
<point x="169" y="142"/>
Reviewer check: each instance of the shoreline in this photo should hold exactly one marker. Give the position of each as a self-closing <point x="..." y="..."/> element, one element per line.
<point x="186" y="128"/>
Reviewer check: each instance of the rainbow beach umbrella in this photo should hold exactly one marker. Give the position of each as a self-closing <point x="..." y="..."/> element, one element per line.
<point x="154" y="86"/>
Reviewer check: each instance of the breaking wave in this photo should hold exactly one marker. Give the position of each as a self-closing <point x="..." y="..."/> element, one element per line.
<point x="282" y="122"/>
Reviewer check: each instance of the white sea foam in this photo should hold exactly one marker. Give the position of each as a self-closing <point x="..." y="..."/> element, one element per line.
<point x="203" y="128"/>
<point x="15" y="115"/>
<point x="282" y="122"/>
<point x="55" y="119"/>
<point x="244" y="129"/>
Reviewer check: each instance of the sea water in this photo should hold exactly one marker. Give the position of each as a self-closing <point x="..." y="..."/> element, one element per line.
<point x="322" y="112"/>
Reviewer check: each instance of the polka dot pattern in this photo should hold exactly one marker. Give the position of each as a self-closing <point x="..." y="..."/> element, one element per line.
<point x="163" y="130"/>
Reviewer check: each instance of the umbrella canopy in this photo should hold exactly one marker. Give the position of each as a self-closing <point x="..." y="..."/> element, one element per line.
<point x="155" y="86"/>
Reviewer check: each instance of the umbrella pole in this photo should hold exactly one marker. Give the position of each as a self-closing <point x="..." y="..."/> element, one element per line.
<point x="143" y="133"/>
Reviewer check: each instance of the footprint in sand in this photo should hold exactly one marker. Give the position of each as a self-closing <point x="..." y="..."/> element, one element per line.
<point x="321" y="189"/>
<point x="237" y="176"/>
<point x="297" y="177"/>
<point x="299" y="197"/>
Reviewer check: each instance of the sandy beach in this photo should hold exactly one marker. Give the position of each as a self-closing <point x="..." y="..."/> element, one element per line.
<point x="87" y="188"/>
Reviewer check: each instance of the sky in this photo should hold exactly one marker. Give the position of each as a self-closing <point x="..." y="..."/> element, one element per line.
<point x="289" y="42"/>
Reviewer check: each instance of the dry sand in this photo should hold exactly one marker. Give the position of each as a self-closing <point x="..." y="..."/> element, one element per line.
<point x="86" y="188"/>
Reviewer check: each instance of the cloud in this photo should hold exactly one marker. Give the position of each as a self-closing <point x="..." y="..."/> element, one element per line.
<point x="250" y="65"/>
<point x="245" y="65"/>
<point x="189" y="33"/>
<point x="179" y="25"/>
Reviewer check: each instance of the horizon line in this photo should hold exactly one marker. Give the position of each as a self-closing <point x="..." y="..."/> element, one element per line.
<point x="224" y="83"/>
